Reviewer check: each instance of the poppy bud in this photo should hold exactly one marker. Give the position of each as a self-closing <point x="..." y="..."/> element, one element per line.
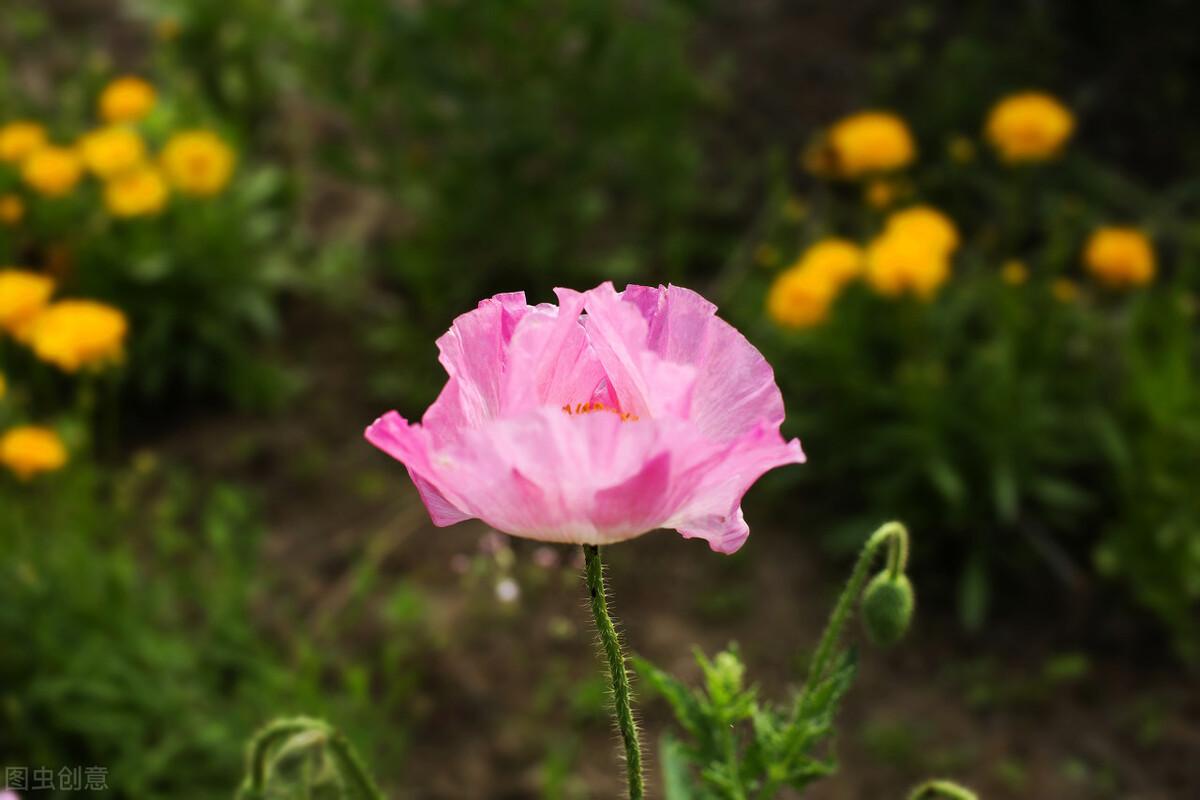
<point x="887" y="608"/>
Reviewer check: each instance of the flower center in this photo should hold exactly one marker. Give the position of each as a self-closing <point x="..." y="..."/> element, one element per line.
<point x="588" y="408"/>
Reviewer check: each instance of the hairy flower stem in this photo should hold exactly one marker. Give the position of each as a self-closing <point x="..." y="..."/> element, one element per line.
<point x="594" y="574"/>
<point x="895" y="536"/>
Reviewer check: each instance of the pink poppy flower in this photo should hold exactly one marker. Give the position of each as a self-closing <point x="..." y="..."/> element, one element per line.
<point x="597" y="420"/>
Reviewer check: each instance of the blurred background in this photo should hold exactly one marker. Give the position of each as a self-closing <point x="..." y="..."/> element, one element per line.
<point x="966" y="235"/>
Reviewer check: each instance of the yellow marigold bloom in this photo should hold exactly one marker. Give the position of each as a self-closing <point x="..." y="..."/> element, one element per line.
<point x="12" y="208"/>
<point x="19" y="139"/>
<point x="870" y="141"/>
<point x="72" y="334"/>
<point x="1064" y="290"/>
<point x="925" y="224"/>
<point x="108" y="152"/>
<point x="1030" y="126"/>
<point x="1014" y="272"/>
<point x="836" y="260"/>
<point x="29" y="450"/>
<point x="126" y="99"/>
<point x="197" y="162"/>
<point x="52" y="171"/>
<point x="879" y="194"/>
<point x="1120" y="257"/>
<point x="800" y="298"/>
<point x="138" y="193"/>
<point x="23" y="295"/>
<point x="897" y="264"/>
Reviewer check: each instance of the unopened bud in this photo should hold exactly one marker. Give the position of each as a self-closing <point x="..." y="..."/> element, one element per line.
<point x="887" y="608"/>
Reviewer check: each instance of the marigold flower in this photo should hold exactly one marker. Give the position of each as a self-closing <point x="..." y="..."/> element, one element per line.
<point x="1120" y="257"/>
<point x="108" y="152"/>
<point x="926" y="224"/>
<point x="1014" y="272"/>
<point x="139" y="193"/>
<point x="52" y="171"/>
<point x="1029" y="126"/>
<point x="595" y="421"/>
<point x="800" y="298"/>
<point x="23" y="295"/>
<point x="74" y="334"/>
<point x="19" y="139"/>
<point x="29" y="450"/>
<point x="12" y="208"/>
<point x="126" y="99"/>
<point x="197" y="162"/>
<point x="870" y="141"/>
<point x="899" y="264"/>
<point x="838" y="261"/>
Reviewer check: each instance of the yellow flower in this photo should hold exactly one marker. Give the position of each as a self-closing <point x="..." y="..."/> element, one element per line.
<point x="28" y="450"/>
<point x="838" y="261"/>
<point x="126" y="99"/>
<point x="72" y="334"/>
<point x="800" y="298"/>
<point x="141" y="192"/>
<point x="870" y="141"/>
<point x="879" y="194"/>
<point x="899" y="264"/>
<point x="23" y="295"/>
<point x="1064" y="290"/>
<point x="925" y="224"/>
<point x="110" y="151"/>
<point x="1120" y="257"/>
<point x="19" y="139"/>
<point x="12" y="208"/>
<point x="52" y="171"/>
<point x="197" y="162"/>
<point x="1030" y="126"/>
<point x="1014" y="272"/>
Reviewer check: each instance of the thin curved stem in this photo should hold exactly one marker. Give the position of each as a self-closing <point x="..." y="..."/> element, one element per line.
<point x="896" y="537"/>
<point x="622" y="704"/>
<point x="350" y="765"/>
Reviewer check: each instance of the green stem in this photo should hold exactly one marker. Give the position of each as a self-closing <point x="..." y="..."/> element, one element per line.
<point x="350" y="766"/>
<point x="896" y="537"/>
<point x="942" y="788"/>
<point x="594" y="574"/>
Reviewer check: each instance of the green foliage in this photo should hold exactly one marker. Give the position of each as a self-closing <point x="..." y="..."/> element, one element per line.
<point x="131" y="614"/>
<point x="557" y="146"/>
<point x="739" y="746"/>
<point x="1031" y="427"/>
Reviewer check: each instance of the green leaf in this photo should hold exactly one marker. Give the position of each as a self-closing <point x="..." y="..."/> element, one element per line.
<point x="676" y="768"/>
<point x="682" y="700"/>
